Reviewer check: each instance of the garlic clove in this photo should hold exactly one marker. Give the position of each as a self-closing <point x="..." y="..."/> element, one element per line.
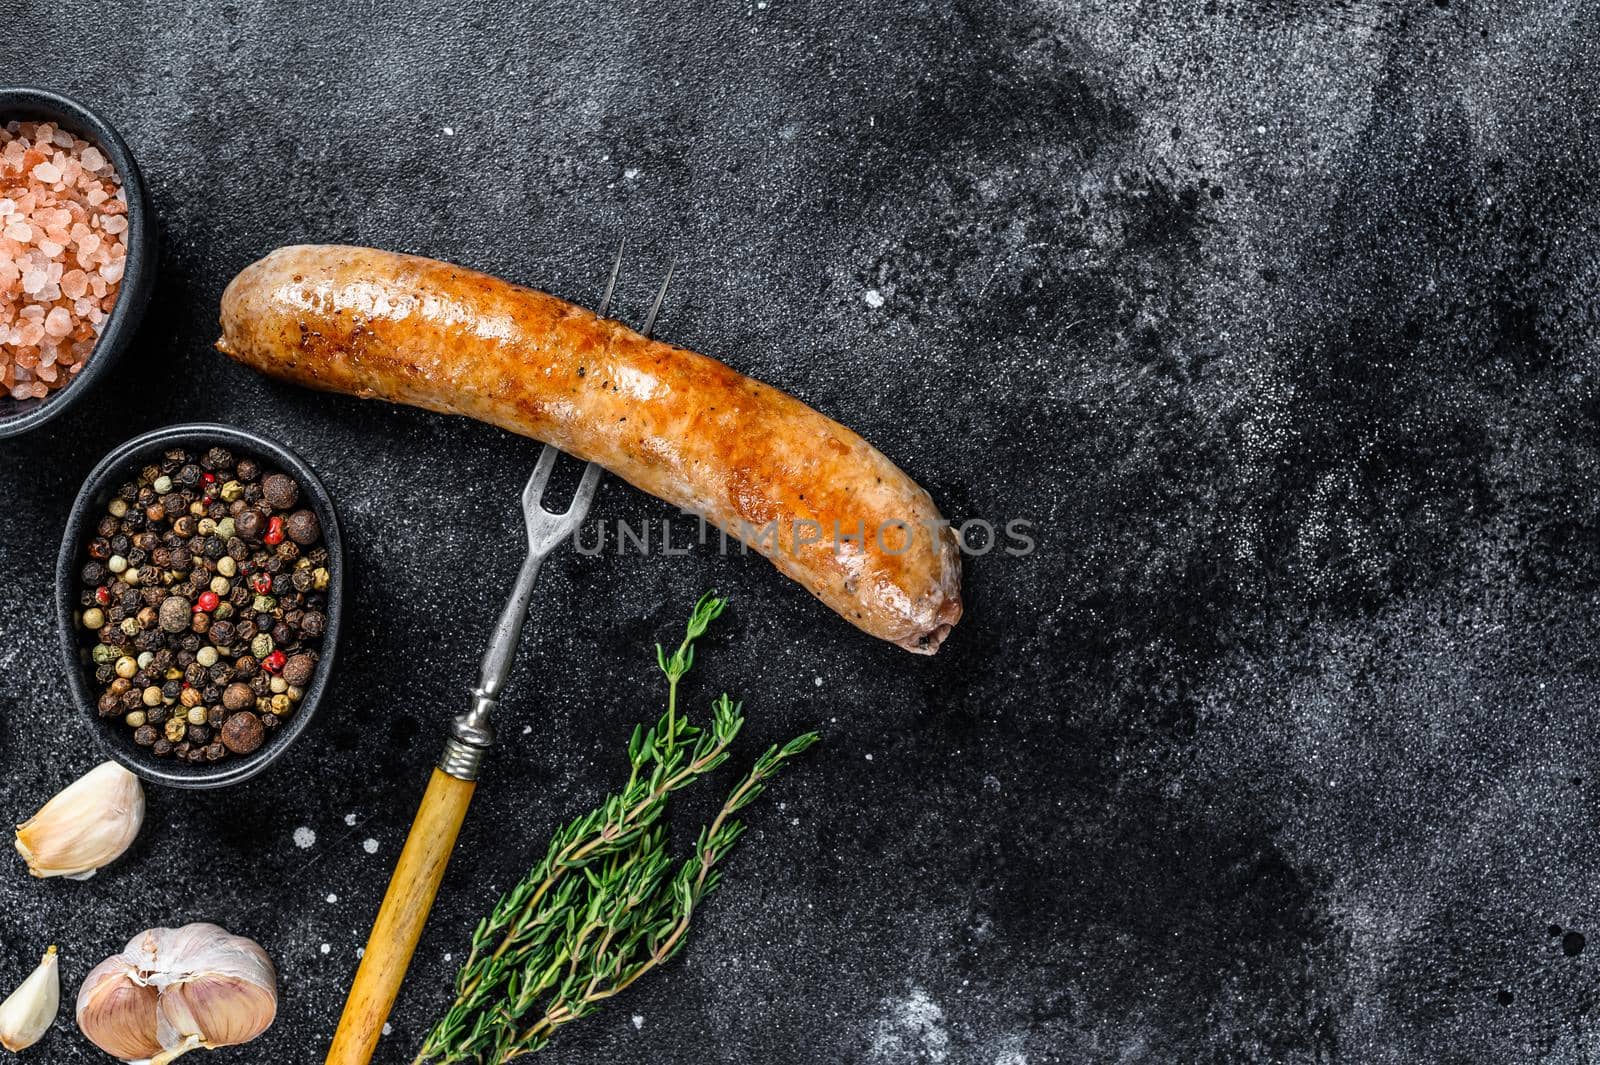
<point x="85" y="826"/>
<point x="30" y="1010"/>
<point x="221" y="1010"/>
<point x="117" y="1011"/>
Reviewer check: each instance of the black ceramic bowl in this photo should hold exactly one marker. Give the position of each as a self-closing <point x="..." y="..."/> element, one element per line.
<point x="139" y="273"/>
<point x="123" y="464"/>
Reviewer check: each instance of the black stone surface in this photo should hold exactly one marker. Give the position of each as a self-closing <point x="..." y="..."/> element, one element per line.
<point x="1277" y="318"/>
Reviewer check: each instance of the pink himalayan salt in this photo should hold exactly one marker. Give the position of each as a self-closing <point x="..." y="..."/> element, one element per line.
<point x="62" y="254"/>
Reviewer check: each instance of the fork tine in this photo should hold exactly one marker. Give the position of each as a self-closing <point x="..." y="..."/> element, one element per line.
<point x="541" y="476"/>
<point x="611" y="285"/>
<point x="655" y="309"/>
<point x="585" y="493"/>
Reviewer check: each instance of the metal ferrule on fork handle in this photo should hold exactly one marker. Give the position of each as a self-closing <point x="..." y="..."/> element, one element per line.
<point x="471" y="736"/>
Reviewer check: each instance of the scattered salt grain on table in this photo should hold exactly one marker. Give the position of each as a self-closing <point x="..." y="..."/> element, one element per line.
<point x="62" y="251"/>
<point x="304" y="838"/>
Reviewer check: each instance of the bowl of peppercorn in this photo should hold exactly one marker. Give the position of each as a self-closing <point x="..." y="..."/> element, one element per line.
<point x="198" y="588"/>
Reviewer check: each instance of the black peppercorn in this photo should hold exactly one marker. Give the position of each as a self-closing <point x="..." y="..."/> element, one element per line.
<point x="217" y="458"/>
<point x="145" y="735"/>
<point x="110" y="705"/>
<point x="189" y="476"/>
<point x="162" y="748"/>
<point x="195" y="674"/>
<point x="246" y="666"/>
<point x="157" y="715"/>
<point x="250" y="525"/>
<point x="190" y="642"/>
<point x="215" y="752"/>
<point x="94" y="573"/>
<point x="247" y="470"/>
<point x="315" y="623"/>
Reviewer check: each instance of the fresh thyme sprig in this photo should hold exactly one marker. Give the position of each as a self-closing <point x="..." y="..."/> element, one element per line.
<point x="604" y="906"/>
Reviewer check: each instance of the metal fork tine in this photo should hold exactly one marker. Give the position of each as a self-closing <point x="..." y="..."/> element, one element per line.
<point x="585" y="493"/>
<point x="534" y="489"/>
<point x="611" y="284"/>
<point x="655" y="309"/>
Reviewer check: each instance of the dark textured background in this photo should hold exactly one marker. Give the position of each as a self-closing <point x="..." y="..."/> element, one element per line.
<point x="1278" y="317"/>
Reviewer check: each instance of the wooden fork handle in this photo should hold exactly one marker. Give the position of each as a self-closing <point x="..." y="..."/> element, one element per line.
<point x="400" y="919"/>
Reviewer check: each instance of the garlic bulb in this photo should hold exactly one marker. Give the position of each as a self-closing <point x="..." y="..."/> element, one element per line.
<point x="87" y="825"/>
<point x="29" y="1012"/>
<point x="173" y="990"/>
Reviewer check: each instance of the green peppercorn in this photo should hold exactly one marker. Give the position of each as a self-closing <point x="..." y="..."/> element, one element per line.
<point x="175" y="728"/>
<point x="261" y="645"/>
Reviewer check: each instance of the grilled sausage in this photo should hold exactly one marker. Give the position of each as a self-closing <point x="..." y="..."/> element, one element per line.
<point x="827" y="508"/>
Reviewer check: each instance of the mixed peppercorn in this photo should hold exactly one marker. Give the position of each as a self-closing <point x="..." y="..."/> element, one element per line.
<point x="204" y="596"/>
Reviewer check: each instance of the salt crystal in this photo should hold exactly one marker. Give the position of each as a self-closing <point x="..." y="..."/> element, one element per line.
<point x="33" y="281"/>
<point x="20" y="232"/>
<point x="58" y="323"/>
<point x="115" y="224"/>
<point x="112" y="271"/>
<point x="92" y="159"/>
<point x="49" y="173"/>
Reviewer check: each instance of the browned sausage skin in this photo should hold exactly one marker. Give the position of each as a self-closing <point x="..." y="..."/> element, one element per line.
<point x="752" y="460"/>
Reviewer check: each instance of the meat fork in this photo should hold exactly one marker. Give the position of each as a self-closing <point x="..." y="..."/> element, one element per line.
<point x="422" y="862"/>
